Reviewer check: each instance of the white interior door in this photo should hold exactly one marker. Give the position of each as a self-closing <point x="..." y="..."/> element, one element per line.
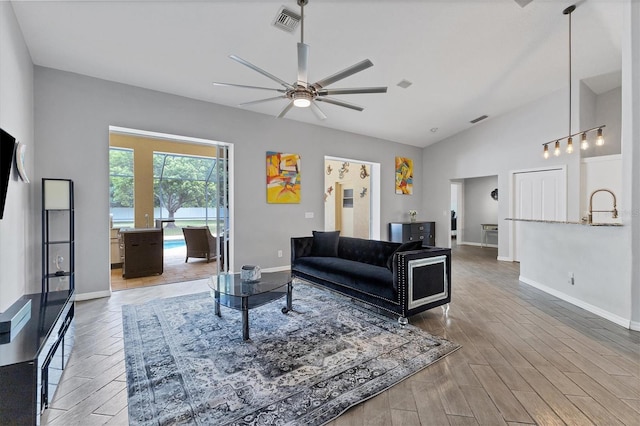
<point x="346" y="211"/>
<point x="539" y="195"/>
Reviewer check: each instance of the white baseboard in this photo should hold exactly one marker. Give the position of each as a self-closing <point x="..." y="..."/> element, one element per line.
<point x="634" y="325"/>
<point x="624" y="322"/>
<point x="505" y="259"/>
<point x="277" y="269"/>
<point x="93" y="295"/>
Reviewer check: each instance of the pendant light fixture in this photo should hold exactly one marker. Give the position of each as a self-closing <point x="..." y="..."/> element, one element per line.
<point x="584" y="144"/>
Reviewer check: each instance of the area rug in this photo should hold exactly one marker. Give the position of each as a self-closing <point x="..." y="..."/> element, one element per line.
<point x="185" y="365"/>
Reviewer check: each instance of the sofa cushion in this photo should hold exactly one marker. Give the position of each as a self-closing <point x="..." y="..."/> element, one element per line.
<point x="366" y="251"/>
<point x="359" y="276"/>
<point x="408" y="246"/>
<point x="325" y="244"/>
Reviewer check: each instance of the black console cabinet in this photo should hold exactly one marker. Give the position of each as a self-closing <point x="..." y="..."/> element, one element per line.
<point x="401" y="232"/>
<point x="31" y="362"/>
<point x="143" y="252"/>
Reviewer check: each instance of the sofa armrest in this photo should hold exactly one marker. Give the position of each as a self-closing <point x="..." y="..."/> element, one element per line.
<point x="423" y="277"/>
<point x="300" y="247"/>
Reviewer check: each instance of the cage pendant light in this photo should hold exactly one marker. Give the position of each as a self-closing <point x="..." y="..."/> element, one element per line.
<point x="569" y="138"/>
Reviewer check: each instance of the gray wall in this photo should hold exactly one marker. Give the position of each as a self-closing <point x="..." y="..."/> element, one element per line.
<point x="498" y="146"/>
<point x="73" y="114"/>
<point x="479" y="208"/>
<point x="513" y="142"/>
<point x="18" y="241"/>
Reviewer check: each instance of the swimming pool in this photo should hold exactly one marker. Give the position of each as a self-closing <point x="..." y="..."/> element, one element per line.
<point x="171" y="244"/>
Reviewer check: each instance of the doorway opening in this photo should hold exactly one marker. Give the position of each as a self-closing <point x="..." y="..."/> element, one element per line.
<point x="352" y="197"/>
<point x="457" y="213"/>
<point x="474" y="202"/>
<point x="160" y="186"/>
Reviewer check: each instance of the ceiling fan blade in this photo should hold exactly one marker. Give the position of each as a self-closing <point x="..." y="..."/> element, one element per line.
<point x="360" y="66"/>
<point x="215" y="83"/>
<point x="317" y="111"/>
<point x="357" y="91"/>
<point x="261" y="71"/>
<point x="303" y="62"/>
<point x="285" y="110"/>
<point x="261" y="101"/>
<point x="340" y="103"/>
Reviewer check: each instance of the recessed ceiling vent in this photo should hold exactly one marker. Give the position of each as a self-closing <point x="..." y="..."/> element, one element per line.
<point x="404" y="83"/>
<point x="286" y="20"/>
<point x="482" y="117"/>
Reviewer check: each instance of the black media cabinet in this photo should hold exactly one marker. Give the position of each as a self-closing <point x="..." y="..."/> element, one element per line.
<point x="32" y="358"/>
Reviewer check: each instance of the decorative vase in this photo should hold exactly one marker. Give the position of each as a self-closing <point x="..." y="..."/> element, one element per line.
<point x="413" y="218"/>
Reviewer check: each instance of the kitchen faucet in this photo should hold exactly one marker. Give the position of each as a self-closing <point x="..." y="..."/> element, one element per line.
<point x="614" y="212"/>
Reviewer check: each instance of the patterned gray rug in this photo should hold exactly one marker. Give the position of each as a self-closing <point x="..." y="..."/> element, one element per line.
<point x="187" y="366"/>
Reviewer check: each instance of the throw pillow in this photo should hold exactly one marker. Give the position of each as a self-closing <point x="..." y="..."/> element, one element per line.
<point x="408" y="246"/>
<point x="325" y="244"/>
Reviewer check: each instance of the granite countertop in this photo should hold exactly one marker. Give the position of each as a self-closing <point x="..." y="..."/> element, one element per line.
<point x="585" y="223"/>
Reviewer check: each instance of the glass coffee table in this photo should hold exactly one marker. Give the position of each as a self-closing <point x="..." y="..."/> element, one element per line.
<point x="231" y="291"/>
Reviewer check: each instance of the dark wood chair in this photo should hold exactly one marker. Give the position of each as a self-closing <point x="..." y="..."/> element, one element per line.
<point x="200" y="243"/>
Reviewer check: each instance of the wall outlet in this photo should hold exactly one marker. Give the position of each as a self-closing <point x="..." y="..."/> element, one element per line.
<point x="279" y="253"/>
<point x="308" y="215"/>
<point x="571" y="279"/>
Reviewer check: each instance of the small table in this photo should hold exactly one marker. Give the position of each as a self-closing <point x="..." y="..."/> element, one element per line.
<point x="231" y="291"/>
<point x="487" y="227"/>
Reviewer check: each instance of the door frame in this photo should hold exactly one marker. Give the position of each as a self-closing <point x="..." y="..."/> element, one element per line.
<point x="374" y="193"/>
<point x="230" y="177"/>
<point x="512" y="203"/>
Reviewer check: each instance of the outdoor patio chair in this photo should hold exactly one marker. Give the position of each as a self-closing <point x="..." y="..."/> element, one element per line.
<point x="200" y="243"/>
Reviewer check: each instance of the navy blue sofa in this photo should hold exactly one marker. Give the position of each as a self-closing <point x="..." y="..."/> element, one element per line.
<point x="401" y="279"/>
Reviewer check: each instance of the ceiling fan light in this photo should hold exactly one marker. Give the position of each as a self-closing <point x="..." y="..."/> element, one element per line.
<point x="301" y="99"/>
<point x="556" y="150"/>
<point x="569" y="145"/>
<point x="302" y="103"/>
<point x="546" y="151"/>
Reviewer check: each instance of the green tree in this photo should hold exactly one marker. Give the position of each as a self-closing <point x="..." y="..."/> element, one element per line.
<point x="121" y="178"/>
<point x="181" y="181"/>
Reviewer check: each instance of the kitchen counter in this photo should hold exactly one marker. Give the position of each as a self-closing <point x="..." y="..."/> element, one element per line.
<point x="585" y="223"/>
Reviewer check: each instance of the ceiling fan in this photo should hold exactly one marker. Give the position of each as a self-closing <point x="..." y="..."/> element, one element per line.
<point x="302" y="94"/>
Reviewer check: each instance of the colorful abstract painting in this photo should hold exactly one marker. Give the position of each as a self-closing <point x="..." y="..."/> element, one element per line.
<point x="283" y="178"/>
<point x="404" y="175"/>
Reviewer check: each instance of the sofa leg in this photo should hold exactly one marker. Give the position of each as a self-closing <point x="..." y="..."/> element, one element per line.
<point x="403" y="321"/>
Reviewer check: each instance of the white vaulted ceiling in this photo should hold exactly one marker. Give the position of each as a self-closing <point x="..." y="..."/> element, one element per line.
<point x="465" y="58"/>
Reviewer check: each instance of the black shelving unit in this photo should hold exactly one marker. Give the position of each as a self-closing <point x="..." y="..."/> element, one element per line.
<point x="58" y="237"/>
<point x="34" y="353"/>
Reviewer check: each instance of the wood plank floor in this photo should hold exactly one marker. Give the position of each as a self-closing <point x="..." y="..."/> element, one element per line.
<point x="527" y="358"/>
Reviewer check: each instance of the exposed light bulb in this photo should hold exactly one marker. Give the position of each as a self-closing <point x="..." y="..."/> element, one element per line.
<point x="556" y="151"/>
<point x="600" y="138"/>
<point x="546" y="151"/>
<point x="584" y="144"/>
<point x="569" y="145"/>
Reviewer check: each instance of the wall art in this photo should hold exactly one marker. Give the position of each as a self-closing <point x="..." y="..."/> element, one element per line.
<point x="404" y="175"/>
<point x="283" y="178"/>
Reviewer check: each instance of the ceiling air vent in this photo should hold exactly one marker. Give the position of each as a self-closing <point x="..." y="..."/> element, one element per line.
<point x="482" y="117"/>
<point x="286" y="20"/>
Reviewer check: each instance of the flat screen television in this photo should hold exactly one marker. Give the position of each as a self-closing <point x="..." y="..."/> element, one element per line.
<point x="7" y="151"/>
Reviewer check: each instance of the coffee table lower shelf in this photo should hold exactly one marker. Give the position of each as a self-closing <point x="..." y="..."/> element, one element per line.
<point x="245" y="302"/>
